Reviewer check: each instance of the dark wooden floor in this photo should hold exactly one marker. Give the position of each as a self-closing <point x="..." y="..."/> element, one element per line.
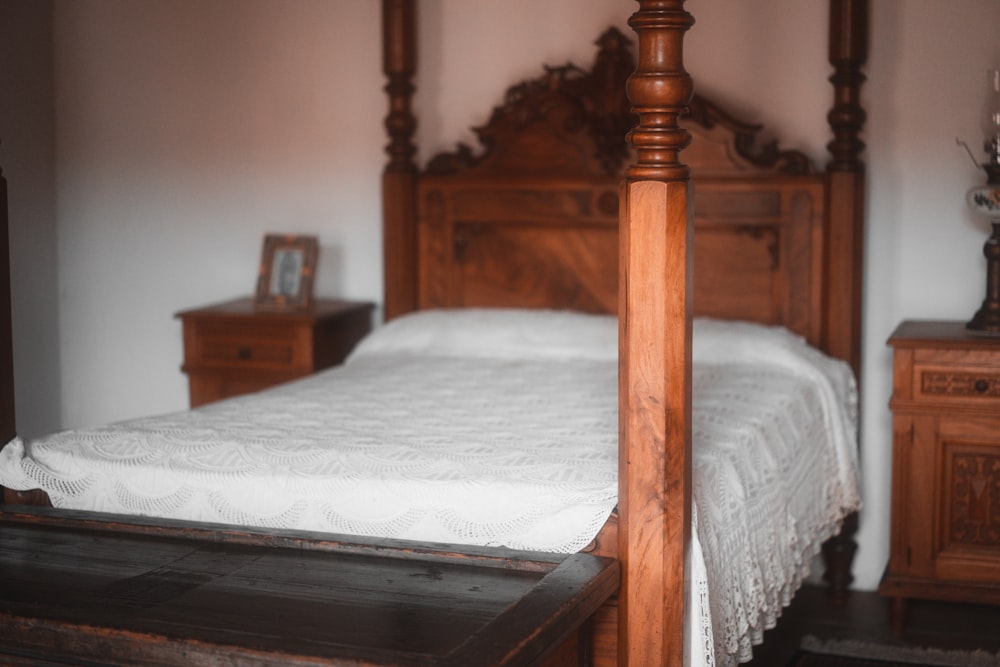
<point x="866" y="617"/>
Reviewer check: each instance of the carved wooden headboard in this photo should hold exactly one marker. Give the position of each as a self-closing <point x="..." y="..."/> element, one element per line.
<point x="531" y="220"/>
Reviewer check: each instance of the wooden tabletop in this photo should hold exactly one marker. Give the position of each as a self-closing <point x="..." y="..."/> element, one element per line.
<point x="950" y="333"/>
<point x="245" y="307"/>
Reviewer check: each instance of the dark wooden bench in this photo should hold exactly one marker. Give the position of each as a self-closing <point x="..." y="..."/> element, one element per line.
<point x="82" y="588"/>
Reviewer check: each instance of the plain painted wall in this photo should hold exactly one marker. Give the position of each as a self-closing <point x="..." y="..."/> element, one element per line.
<point x="185" y="130"/>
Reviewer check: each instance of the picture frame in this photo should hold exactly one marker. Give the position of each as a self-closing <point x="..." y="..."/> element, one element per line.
<point x="287" y="270"/>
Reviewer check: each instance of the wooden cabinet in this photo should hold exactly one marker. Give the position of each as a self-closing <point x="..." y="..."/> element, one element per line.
<point x="945" y="541"/>
<point x="233" y="348"/>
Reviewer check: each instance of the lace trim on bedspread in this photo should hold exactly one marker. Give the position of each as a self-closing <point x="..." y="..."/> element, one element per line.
<point x="780" y="474"/>
<point x="765" y="502"/>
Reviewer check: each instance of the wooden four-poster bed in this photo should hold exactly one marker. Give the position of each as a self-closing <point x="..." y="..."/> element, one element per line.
<point x="554" y="212"/>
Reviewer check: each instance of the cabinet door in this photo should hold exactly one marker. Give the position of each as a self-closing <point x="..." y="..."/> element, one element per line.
<point x="914" y="495"/>
<point x="966" y="521"/>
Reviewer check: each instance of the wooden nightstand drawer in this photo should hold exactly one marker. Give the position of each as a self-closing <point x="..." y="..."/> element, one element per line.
<point x="247" y="352"/>
<point x="957" y="383"/>
<point x="231" y="348"/>
<point x="229" y="343"/>
<point x="941" y="365"/>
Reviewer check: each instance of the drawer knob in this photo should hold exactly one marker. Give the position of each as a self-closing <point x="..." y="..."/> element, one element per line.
<point x="981" y="386"/>
<point x="244" y="353"/>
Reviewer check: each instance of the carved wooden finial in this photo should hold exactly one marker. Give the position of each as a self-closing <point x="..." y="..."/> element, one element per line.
<point x="399" y="64"/>
<point x="655" y="299"/>
<point x="660" y="90"/>
<point x="848" y="52"/>
<point x="399" y="178"/>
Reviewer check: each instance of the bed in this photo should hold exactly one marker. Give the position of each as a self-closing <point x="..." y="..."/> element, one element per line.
<point x="767" y="240"/>
<point x="498" y="428"/>
<point x="554" y="214"/>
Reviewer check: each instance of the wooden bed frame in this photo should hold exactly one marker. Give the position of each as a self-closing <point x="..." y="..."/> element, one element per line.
<point x="555" y="210"/>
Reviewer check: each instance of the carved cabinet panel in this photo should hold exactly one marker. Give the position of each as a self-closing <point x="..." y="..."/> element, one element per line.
<point x="945" y="541"/>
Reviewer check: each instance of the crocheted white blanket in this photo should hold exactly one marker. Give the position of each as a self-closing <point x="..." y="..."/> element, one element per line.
<point x="498" y="428"/>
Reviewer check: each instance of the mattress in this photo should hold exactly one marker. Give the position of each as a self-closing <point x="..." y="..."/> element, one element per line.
<point x="499" y="428"/>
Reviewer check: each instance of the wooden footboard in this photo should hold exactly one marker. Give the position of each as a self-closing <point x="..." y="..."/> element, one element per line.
<point x="141" y="592"/>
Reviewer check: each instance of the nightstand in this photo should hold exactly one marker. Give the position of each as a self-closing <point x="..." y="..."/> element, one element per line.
<point x="945" y="539"/>
<point x="233" y="348"/>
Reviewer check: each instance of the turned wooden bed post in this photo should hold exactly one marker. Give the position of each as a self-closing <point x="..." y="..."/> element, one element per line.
<point x="399" y="180"/>
<point x="848" y="52"/>
<point x="655" y="255"/>
<point x="7" y="423"/>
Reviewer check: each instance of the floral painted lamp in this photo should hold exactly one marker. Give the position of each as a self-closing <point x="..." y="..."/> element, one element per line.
<point x="985" y="201"/>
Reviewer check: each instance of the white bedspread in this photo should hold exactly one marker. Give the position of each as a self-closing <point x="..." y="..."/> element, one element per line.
<point x="498" y="428"/>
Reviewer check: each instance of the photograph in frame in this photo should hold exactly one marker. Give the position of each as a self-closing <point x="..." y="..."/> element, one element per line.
<point x="287" y="268"/>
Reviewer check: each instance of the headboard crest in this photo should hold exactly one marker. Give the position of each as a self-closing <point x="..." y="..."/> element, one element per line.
<point x="573" y="121"/>
<point x="568" y="120"/>
<point x="707" y="122"/>
<point x="532" y="220"/>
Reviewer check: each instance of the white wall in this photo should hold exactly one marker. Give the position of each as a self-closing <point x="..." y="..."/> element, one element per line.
<point x="187" y="129"/>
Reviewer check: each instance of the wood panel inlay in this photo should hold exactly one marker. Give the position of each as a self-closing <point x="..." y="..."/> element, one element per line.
<point x="713" y="202"/>
<point x="950" y="383"/>
<point x="517" y="265"/>
<point x="975" y="499"/>
<point x="434" y="251"/>
<point x="539" y="203"/>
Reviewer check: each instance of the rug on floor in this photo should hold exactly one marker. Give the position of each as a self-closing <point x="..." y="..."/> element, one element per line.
<point x="850" y="653"/>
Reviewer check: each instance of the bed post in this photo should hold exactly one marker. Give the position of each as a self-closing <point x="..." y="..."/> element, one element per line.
<point x="846" y="171"/>
<point x="655" y="255"/>
<point x="399" y="179"/>
<point x="848" y="52"/>
<point x="7" y="423"/>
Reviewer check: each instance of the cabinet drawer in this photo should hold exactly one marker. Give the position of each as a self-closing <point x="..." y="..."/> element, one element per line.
<point x="251" y="352"/>
<point x="251" y="346"/>
<point x="959" y="384"/>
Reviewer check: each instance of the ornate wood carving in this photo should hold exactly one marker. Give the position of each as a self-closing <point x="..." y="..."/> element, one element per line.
<point x="762" y="234"/>
<point x="568" y="115"/>
<point x="975" y="501"/>
<point x="574" y="121"/>
<point x="737" y="143"/>
<point x="951" y="383"/>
